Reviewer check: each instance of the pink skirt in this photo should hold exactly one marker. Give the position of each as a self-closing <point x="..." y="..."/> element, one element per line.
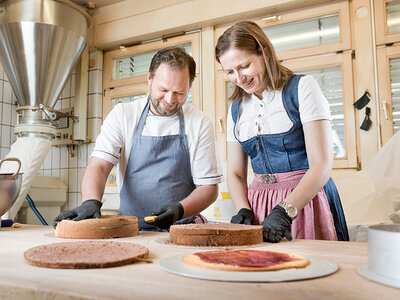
<point x="313" y="222"/>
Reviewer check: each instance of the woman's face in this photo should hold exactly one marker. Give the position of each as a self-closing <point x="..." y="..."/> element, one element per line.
<point x="245" y="69"/>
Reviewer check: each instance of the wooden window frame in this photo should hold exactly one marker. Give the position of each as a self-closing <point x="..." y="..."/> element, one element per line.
<point x="122" y="91"/>
<point x="384" y="54"/>
<point x="344" y="43"/>
<point x="382" y="35"/>
<point x="341" y="8"/>
<point x="138" y="84"/>
<point x="221" y="112"/>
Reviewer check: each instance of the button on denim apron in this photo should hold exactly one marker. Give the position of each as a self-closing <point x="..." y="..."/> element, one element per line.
<point x="158" y="172"/>
<point x="286" y="152"/>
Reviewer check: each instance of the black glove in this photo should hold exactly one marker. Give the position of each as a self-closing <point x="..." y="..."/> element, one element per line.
<point x="277" y="225"/>
<point x="244" y="216"/>
<point x="88" y="209"/>
<point x="167" y="215"/>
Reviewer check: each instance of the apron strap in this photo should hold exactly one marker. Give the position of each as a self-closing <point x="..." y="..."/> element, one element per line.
<point x="181" y="123"/>
<point x="142" y="119"/>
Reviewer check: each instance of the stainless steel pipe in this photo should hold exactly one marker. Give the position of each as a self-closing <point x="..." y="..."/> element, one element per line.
<point x="40" y="43"/>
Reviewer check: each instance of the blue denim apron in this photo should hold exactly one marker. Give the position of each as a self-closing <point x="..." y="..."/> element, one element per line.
<point x="286" y="152"/>
<point x="158" y="172"/>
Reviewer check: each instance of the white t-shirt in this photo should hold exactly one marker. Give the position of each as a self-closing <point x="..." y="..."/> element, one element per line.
<point x="268" y="116"/>
<point x="114" y="143"/>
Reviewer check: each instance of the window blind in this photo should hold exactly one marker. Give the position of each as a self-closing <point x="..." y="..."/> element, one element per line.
<point x="137" y="64"/>
<point x="330" y="82"/>
<point x="393" y="16"/>
<point x="126" y="99"/>
<point x="132" y="98"/>
<point x="306" y="33"/>
<point x="395" y="92"/>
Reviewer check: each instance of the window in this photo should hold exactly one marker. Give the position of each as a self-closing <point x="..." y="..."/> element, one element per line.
<point x="309" y="32"/>
<point x="125" y="70"/>
<point x="304" y="34"/>
<point x="394" y="64"/>
<point x="136" y="64"/>
<point x="334" y="76"/>
<point x="330" y="81"/>
<point x="389" y="90"/>
<point x="387" y="16"/>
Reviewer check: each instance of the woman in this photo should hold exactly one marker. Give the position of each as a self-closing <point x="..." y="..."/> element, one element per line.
<point x="282" y="122"/>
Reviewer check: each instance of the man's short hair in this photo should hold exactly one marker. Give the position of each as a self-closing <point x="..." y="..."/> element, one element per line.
<point x="175" y="57"/>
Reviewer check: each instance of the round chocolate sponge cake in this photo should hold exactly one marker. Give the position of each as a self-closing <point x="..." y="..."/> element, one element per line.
<point x="215" y="235"/>
<point x="85" y="254"/>
<point x="107" y="227"/>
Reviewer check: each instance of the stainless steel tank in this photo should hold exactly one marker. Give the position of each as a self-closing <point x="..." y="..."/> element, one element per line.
<point x="40" y="43"/>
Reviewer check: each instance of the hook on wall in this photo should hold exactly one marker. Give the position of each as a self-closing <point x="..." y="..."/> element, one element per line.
<point x="363" y="100"/>
<point x="71" y="150"/>
<point x="366" y="124"/>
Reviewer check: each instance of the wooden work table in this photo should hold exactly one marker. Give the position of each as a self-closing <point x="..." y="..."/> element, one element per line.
<point x="19" y="280"/>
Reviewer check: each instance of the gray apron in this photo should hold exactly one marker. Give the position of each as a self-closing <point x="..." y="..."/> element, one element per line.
<point x="158" y="172"/>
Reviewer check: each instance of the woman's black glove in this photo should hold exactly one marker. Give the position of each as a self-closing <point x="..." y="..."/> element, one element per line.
<point x="88" y="209"/>
<point x="244" y="216"/>
<point x="167" y="215"/>
<point x="277" y="225"/>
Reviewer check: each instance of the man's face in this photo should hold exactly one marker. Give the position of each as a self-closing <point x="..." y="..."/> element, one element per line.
<point x="169" y="88"/>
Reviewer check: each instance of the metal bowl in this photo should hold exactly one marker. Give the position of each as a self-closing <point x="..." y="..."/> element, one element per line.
<point x="383" y="250"/>
<point x="10" y="185"/>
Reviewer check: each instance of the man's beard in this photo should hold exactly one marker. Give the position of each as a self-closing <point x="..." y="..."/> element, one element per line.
<point x="155" y="103"/>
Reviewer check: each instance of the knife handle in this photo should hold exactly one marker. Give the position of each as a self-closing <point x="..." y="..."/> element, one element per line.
<point x="150" y="219"/>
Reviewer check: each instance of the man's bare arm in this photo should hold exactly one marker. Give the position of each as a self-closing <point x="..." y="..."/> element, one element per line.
<point x="199" y="199"/>
<point x="95" y="178"/>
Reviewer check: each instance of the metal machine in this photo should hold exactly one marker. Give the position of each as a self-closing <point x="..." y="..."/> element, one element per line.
<point x="40" y="44"/>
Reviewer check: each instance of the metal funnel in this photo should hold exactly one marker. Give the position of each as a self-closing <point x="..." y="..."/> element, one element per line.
<point x="40" y="43"/>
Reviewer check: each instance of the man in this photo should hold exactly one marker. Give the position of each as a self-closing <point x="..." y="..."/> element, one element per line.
<point x="164" y="148"/>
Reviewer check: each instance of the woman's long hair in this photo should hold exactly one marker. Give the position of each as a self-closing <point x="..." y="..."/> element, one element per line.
<point x="250" y="37"/>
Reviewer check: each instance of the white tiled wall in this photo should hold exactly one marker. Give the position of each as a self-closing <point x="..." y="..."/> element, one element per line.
<point x="58" y="162"/>
<point x="7" y="108"/>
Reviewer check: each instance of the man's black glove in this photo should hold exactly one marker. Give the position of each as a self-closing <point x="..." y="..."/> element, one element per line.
<point x="244" y="216"/>
<point x="277" y="225"/>
<point x="88" y="209"/>
<point x="167" y="215"/>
